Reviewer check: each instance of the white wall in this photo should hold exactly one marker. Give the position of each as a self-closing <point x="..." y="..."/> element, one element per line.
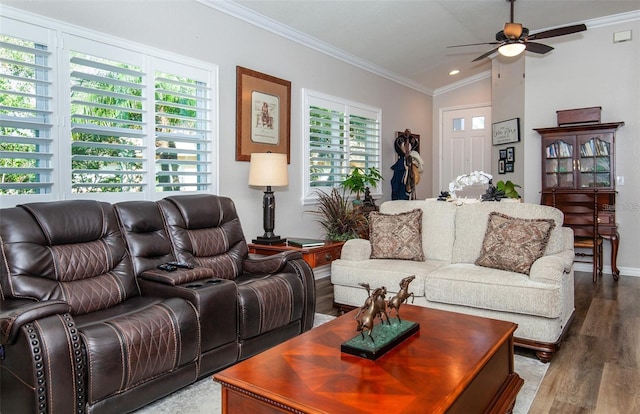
<point x="465" y="94"/>
<point x="592" y="71"/>
<point x="195" y="30"/>
<point x="507" y="89"/>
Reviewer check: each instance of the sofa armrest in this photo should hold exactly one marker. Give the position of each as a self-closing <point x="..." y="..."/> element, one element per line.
<point x="550" y="269"/>
<point x="356" y="250"/>
<point x="269" y="264"/>
<point x="178" y="276"/>
<point x="16" y="312"/>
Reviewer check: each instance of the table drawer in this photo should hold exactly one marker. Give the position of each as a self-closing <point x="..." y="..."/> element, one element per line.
<point x="325" y="256"/>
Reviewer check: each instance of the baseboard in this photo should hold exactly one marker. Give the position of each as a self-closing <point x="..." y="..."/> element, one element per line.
<point x="624" y="271"/>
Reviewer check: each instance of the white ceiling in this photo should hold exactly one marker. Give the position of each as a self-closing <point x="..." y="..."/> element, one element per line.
<point x="406" y="40"/>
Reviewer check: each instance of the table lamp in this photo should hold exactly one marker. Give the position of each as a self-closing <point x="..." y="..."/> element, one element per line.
<point x="268" y="170"/>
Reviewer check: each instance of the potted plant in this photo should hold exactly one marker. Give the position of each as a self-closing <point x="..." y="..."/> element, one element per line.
<point x="502" y="190"/>
<point x="338" y="217"/>
<point x="357" y="181"/>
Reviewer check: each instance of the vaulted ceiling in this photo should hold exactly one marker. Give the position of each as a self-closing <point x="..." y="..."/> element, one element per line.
<point x="407" y="40"/>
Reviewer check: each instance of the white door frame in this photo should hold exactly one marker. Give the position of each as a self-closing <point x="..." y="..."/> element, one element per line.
<point x="445" y="186"/>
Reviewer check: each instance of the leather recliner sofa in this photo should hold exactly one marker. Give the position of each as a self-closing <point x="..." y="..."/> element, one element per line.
<point x="88" y="323"/>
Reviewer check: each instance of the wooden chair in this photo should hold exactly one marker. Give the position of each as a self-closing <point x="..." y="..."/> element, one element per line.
<point x="581" y="214"/>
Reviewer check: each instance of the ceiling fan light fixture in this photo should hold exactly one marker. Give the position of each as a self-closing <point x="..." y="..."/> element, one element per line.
<point x="511" y="49"/>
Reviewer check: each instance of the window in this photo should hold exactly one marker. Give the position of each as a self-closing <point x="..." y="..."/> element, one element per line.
<point x="339" y="135"/>
<point x="125" y="120"/>
<point x="25" y="115"/>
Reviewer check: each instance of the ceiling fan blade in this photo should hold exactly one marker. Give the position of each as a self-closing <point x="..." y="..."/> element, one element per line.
<point x="538" y="48"/>
<point x="491" y="52"/>
<point x="561" y="31"/>
<point x="476" y="44"/>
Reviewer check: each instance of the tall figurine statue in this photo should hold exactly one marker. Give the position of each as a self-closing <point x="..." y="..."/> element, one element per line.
<point x="402" y="296"/>
<point x="374" y="307"/>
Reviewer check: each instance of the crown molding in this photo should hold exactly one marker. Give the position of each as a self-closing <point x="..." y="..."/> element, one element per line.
<point x="463" y="82"/>
<point x="614" y="19"/>
<point x="238" y="11"/>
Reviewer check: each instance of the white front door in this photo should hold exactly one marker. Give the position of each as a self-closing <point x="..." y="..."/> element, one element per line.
<point x="466" y="143"/>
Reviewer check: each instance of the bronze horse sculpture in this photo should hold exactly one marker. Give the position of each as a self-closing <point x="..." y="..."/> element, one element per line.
<point x="382" y="305"/>
<point x="402" y="296"/>
<point x="372" y="311"/>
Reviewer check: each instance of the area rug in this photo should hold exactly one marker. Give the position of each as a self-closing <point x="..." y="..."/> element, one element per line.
<point x="203" y="397"/>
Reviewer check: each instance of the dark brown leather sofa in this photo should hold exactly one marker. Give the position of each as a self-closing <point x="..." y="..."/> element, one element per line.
<point x="88" y="323"/>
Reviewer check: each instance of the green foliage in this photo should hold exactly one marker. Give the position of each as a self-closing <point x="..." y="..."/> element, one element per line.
<point x="508" y="188"/>
<point x="357" y="181"/>
<point x="338" y="217"/>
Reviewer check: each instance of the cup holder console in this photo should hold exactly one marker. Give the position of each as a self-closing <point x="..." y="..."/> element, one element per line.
<point x="207" y="282"/>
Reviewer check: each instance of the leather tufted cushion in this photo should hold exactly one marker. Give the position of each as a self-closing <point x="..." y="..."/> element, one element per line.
<point x="138" y="340"/>
<point x="268" y="302"/>
<point x="68" y="250"/>
<point x="216" y="241"/>
<point x="396" y="236"/>
<point x="513" y="243"/>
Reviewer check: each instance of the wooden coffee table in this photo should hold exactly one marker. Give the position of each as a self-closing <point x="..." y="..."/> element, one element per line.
<point x="456" y="364"/>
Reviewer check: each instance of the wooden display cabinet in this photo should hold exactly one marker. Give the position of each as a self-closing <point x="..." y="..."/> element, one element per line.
<point x="578" y="161"/>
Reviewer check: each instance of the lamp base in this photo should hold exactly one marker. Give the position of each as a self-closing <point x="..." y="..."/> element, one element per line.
<point x="269" y="240"/>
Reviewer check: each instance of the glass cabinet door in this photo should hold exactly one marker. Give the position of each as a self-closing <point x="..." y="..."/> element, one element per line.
<point x="594" y="162"/>
<point x="559" y="163"/>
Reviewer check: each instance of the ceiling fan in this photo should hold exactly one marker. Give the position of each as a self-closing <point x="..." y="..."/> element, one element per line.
<point x="514" y="39"/>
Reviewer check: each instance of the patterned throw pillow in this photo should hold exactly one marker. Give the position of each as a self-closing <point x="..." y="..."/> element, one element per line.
<point x="396" y="236"/>
<point x="512" y="243"/>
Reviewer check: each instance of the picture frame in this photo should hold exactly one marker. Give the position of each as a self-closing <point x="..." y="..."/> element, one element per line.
<point x="503" y="154"/>
<point x="505" y="132"/>
<point x="263" y="114"/>
<point x="501" y="166"/>
<point x="510" y="154"/>
<point x="508" y="167"/>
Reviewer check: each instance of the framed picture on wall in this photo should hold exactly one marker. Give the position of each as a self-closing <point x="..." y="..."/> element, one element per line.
<point x="508" y="166"/>
<point x="511" y="154"/>
<point x="505" y="132"/>
<point x="263" y="114"/>
<point x="501" y="167"/>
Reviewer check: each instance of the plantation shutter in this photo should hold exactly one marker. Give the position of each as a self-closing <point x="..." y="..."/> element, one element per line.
<point x="364" y="142"/>
<point x="182" y="140"/>
<point x="108" y="121"/>
<point x="328" y="144"/>
<point x="341" y="135"/>
<point x="25" y="110"/>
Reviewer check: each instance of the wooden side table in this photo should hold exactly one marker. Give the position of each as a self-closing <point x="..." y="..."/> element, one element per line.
<point x="314" y="256"/>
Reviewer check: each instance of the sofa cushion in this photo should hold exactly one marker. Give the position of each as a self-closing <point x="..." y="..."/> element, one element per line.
<point x="438" y="220"/>
<point x="383" y="272"/>
<point x="472" y="219"/>
<point x="396" y="236"/>
<point x="498" y="290"/>
<point x="514" y="244"/>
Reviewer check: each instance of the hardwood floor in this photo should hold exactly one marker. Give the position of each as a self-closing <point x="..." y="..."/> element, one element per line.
<point x="597" y="368"/>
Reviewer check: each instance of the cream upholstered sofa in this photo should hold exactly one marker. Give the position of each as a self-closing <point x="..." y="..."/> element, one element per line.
<point x="452" y="236"/>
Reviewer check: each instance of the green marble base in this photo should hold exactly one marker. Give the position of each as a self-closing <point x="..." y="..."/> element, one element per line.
<point x="385" y="338"/>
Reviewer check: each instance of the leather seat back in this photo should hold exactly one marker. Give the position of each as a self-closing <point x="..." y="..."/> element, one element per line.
<point x="144" y="233"/>
<point x="205" y="230"/>
<point x="69" y="250"/>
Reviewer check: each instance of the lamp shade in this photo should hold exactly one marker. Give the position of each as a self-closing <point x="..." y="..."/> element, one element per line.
<point x="268" y="169"/>
<point x="511" y="49"/>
